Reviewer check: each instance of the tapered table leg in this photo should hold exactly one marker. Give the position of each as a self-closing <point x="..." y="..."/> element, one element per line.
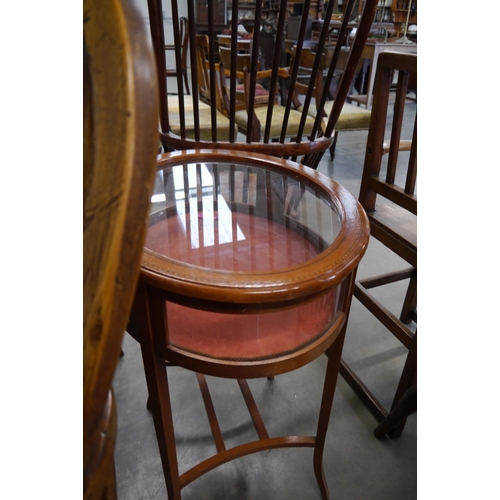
<point x="332" y="371"/>
<point x="159" y="399"/>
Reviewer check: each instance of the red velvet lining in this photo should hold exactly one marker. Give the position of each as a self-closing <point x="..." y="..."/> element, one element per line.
<point x="267" y="246"/>
<point x="249" y="336"/>
<point x="260" y="91"/>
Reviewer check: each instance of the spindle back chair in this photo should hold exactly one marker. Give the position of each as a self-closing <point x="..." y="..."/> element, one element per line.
<point x="308" y="143"/>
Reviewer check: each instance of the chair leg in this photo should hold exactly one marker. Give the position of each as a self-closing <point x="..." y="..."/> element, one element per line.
<point x="186" y="83"/>
<point x="332" y="147"/>
<point x="410" y="302"/>
<point x="156" y="378"/>
<point x="332" y="371"/>
<point x="408" y="379"/>
<point x="405" y="407"/>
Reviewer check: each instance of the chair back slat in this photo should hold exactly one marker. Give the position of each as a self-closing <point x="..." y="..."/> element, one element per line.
<point x="253" y="69"/>
<point x="184" y="35"/>
<point x="356" y="51"/>
<point x="397" y="126"/>
<point x="411" y="176"/>
<point x="320" y="49"/>
<point x="158" y="39"/>
<point x="294" y="72"/>
<point x="178" y="66"/>
<point x="179" y="41"/>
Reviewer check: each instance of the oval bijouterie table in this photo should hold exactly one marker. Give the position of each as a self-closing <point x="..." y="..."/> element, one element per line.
<point x="247" y="271"/>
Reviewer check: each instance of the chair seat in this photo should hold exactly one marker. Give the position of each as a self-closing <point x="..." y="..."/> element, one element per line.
<point x="241" y="118"/>
<point x="173" y="103"/>
<point x="399" y="223"/>
<point x="351" y="117"/>
<point x="205" y="119"/>
<point x="261" y="94"/>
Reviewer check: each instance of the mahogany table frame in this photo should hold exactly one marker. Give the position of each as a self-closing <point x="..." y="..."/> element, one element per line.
<point x="199" y="287"/>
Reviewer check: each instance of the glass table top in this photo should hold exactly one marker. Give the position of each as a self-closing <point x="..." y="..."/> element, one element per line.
<point x="248" y="230"/>
<point x="236" y="217"/>
<point x="248" y="258"/>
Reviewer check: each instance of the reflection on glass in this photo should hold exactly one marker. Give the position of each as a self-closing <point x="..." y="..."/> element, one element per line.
<point x="188" y="196"/>
<point x="239" y="218"/>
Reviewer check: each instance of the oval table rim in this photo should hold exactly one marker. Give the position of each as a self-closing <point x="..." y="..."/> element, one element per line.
<point x="329" y="267"/>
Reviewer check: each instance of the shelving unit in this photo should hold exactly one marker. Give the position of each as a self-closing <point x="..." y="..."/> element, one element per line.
<point x="219" y="14"/>
<point x="315" y="11"/>
<point x="246" y="13"/>
<point x="389" y="11"/>
<point x="223" y="13"/>
<point x="356" y="13"/>
<point x="400" y="14"/>
<point x="384" y="12"/>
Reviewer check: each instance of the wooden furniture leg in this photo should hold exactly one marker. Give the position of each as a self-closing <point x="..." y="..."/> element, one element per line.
<point x="409" y="310"/>
<point x="331" y="376"/>
<point x="159" y="396"/>
<point x="157" y="380"/>
<point x="407" y="380"/>
<point x="406" y="406"/>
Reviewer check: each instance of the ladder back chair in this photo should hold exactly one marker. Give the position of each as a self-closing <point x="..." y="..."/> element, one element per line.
<point x="120" y="106"/>
<point x="243" y="61"/>
<point x="308" y="144"/>
<point x="388" y="196"/>
<point x="255" y="127"/>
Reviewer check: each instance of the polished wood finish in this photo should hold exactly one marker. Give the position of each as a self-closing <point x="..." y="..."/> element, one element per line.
<point x="120" y="143"/>
<point x="308" y="146"/>
<point x="391" y="204"/>
<point x="170" y="281"/>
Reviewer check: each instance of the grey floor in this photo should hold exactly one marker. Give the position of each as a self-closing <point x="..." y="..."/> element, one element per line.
<point x="357" y="465"/>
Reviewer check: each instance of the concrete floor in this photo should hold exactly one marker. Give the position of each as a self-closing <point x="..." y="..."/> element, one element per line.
<point x="357" y="465"/>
